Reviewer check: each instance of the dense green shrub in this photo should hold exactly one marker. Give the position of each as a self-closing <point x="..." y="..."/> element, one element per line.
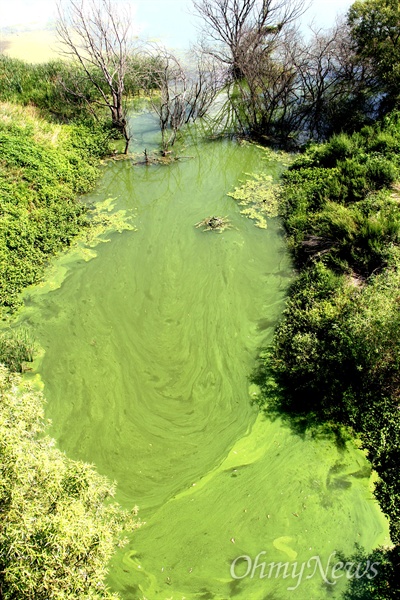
<point x="39" y="85"/>
<point x="334" y="202"/>
<point x="50" y="86"/>
<point x="381" y="172"/>
<point x="58" y="528"/>
<point x="381" y="587"/>
<point x="307" y="339"/>
<point x="43" y="168"/>
<point x="336" y="354"/>
<point x="16" y="348"/>
<point x="338" y="148"/>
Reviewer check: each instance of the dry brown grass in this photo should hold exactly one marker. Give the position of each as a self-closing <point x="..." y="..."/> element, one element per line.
<point x="28" y="116"/>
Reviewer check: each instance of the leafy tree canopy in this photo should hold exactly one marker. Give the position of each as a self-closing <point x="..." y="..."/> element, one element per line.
<point x="375" y="28"/>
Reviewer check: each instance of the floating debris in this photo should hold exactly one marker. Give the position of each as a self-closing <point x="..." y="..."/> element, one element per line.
<point x="162" y="158"/>
<point x="214" y="224"/>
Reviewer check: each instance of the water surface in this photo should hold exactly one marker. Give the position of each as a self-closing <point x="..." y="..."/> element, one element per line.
<point x="148" y="352"/>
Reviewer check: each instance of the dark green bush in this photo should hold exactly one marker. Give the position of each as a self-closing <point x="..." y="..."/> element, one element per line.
<point x="336" y="352"/>
<point x="338" y="148"/>
<point x="380" y="172"/>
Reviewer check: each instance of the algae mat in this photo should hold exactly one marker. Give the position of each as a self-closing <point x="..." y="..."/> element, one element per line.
<point x="148" y="352"/>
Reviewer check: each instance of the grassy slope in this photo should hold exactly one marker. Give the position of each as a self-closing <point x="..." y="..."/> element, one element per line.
<point x="43" y="168"/>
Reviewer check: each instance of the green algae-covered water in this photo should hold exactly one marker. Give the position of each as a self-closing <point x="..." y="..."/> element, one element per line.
<point x="148" y="352"/>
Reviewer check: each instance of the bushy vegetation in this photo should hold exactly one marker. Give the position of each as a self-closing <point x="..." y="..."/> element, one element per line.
<point x="385" y="585"/>
<point x="58" y="528"/>
<point x="43" y="168"/>
<point x="16" y="349"/>
<point x="338" y="204"/>
<point x="39" y="85"/>
<point x="59" y="89"/>
<point x="375" y="30"/>
<point x="336" y="352"/>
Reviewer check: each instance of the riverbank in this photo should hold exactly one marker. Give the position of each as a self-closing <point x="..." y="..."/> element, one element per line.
<point x="59" y="526"/>
<point x="336" y="352"/>
<point x="44" y="168"/>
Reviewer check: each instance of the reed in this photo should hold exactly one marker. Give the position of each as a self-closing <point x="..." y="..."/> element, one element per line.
<point x="16" y="349"/>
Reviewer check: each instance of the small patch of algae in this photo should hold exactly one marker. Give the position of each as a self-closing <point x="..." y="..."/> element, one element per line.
<point x="259" y="196"/>
<point x="103" y="220"/>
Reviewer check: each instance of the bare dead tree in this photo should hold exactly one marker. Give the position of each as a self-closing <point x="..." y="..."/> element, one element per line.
<point x="205" y="81"/>
<point x="166" y="85"/>
<point x="333" y="83"/>
<point x="236" y="30"/>
<point x="178" y="93"/>
<point x="264" y="102"/>
<point x="97" y="35"/>
<point x="252" y="39"/>
<point x="283" y="87"/>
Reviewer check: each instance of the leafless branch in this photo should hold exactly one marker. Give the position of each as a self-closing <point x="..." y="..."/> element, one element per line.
<point x="235" y="30"/>
<point x="97" y="34"/>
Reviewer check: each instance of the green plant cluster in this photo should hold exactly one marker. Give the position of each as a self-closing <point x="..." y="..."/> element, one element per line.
<point x="43" y="168"/>
<point x="335" y="359"/>
<point x="39" y="85"/>
<point x="16" y="349"/>
<point x="374" y="26"/>
<point x="338" y="204"/>
<point x="57" y="524"/>
<point x="50" y="87"/>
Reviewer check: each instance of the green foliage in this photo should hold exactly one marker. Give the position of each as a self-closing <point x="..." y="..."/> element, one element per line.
<point x="340" y="147"/>
<point x="383" y="585"/>
<point x="58" y="528"/>
<point x="306" y="340"/>
<point x="39" y="84"/>
<point x="43" y="167"/>
<point x="336" y="354"/>
<point x="336" y="202"/>
<point x="375" y="28"/>
<point x="16" y="348"/>
<point x="51" y="86"/>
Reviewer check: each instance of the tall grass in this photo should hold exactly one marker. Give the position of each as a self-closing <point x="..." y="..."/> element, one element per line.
<point x="16" y="348"/>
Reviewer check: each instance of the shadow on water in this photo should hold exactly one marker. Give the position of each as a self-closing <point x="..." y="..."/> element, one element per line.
<point x="273" y="403"/>
<point x="370" y="575"/>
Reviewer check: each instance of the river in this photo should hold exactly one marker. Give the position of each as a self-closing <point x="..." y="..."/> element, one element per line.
<point x="148" y="350"/>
